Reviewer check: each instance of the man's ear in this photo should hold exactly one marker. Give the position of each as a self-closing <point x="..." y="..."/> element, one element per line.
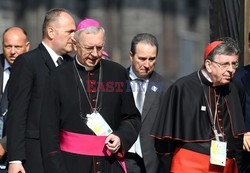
<point x="74" y="43"/>
<point x="51" y="33"/>
<point x="207" y="65"/>
<point x="131" y="56"/>
<point x="27" y="44"/>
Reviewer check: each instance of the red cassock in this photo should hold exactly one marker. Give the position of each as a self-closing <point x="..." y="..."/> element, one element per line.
<point x="183" y="129"/>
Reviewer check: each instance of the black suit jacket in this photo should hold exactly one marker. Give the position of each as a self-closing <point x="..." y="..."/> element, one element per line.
<point x="243" y="75"/>
<point x="25" y="93"/>
<point x="3" y="102"/>
<point x="157" y="86"/>
<point x="3" y="140"/>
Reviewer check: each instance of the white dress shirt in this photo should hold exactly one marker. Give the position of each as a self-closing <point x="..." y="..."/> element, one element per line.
<point x="6" y="74"/>
<point x="136" y="148"/>
<point x="52" y="53"/>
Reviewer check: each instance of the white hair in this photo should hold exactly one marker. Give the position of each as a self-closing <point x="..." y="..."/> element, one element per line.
<point x="88" y="30"/>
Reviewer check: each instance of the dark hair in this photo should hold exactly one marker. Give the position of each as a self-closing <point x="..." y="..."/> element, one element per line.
<point x="145" y="38"/>
<point x="23" y="31"/>
<point x="228" y="47"/>
<point x="51" y="16"/>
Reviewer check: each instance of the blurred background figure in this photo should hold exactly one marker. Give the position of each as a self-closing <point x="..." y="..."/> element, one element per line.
<point x="15" y="42"/>
<point x="105" y="55"/>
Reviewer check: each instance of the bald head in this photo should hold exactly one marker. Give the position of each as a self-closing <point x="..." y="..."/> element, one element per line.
<point x="15" y="42"/>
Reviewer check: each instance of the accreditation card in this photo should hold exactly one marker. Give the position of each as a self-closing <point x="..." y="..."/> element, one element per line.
<point x="98" y="125"/>
<point x="218" y="153"/>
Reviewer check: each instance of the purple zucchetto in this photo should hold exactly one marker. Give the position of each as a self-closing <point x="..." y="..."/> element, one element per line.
<point x="87" y="22"/>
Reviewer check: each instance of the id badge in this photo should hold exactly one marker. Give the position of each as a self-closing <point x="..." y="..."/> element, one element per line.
<point x="98" y="125"/>
<point x="218" y="153"/>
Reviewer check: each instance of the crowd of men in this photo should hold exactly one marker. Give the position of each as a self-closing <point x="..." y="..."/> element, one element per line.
<point x="88" y="114"/>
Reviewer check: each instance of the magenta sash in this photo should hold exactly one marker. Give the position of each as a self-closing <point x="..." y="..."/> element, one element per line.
<point x="89" y="145"/>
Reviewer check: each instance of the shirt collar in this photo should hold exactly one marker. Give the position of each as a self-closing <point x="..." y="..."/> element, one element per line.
<point x="133" y="76"/>
<point x="6" y="64"/>
<point x="52" y="53"/>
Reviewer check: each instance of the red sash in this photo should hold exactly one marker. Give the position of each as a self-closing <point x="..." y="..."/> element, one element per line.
<point x="189" y="161"/>
<point x="89" y="145"/>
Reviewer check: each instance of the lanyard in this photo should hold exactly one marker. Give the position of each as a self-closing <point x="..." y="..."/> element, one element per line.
<point x="98" y="88"/>
<point x="211" y="117"/>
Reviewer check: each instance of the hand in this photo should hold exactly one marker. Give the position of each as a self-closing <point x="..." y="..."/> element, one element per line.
<point x="246" y="141"/>
<point x="2" y="152"/>
<point x="16" y="168"/>
<point x="113" y="143"/>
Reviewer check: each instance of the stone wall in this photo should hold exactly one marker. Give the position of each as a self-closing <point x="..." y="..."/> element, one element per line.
<point x="181" y="26"/>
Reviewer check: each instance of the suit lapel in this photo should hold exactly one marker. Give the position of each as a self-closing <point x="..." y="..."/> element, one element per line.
<point x="47" y="58"/>
<point x="150" y="95"/>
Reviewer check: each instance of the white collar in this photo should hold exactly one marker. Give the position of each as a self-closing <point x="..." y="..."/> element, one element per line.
<point x="204" y="72"/>
<point x="86" y="67"/>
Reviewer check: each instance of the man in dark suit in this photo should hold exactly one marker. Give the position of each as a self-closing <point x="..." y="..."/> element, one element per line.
<point x="243" y="76"/>
<point x="26" y="90"/>
<point x="15" y="42"/>
<point x="147" y="87"/>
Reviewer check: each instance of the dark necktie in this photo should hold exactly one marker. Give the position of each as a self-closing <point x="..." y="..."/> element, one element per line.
<point x="139" y="99"/>
<point x="59" y="61"/>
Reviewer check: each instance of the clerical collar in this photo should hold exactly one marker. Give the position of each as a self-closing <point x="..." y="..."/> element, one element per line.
<point x="205" y="78"/>
<point x="52" y="53"/>
<point x="86" y="67"/>
<point x="133" y="76"/>
<point x="6" y="65"/>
